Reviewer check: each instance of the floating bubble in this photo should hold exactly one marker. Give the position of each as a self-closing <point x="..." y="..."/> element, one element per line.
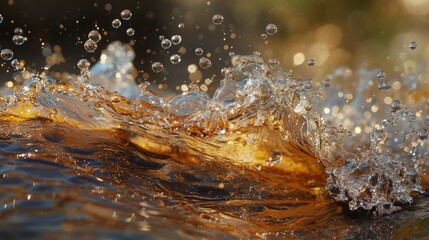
<point x="176" y="39"/>
<point x="181" y="25"/>
<point x="166" y="43"/>
<point x="327" y="82"/>
<point x="130" y="32"/>
<point x="157" y="67"/>
<point x="83" y="64"/>
<point x="217" y="19"/>
<point x="126" y="14"/>
<point x="422" y="133"/>
<point x="18" y="31"/>
<point x="412" y="45"/>
<point x="116" y="23"/>
<point x="271" y="29"/>
<point x="205" y="63"/>
<point x="396" y="105"/>
<point x="175" y="59"/>
<point x="199" y="51"/>
<point x="311" y="62"/>
<point x="90" y="45"/>
<point x="161" y="37"/>
<point x="18" y="39"/>
<point x="94" y="35"/>
<point x="384" y="85"/>
<point x="1" y="18"/>
<point x="14" y="63"/>
<point x="273" y="62"/>
<point x="381" y="75"/>
<point x="6" y="54"/>
<point x="264" y="36"/>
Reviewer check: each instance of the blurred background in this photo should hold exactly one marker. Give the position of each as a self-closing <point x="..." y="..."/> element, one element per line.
<point x="334" y="33"/>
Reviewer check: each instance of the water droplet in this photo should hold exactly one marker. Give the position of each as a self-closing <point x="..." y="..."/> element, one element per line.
<point x="273" y="62"/>
<point x="157" y="67"/>
<point x="116" y="23"/>
<point x="217" y="19"/>
<point x="176" y="39"/>
<point x="275" y="158"/>
<point x="130" y="32"/>
<point x="311" y="62"/>
<point x="423" y="133"/>
<point x="1" y="18"/>
<point x="175" y="59"/>
<point x="377" y="135"/>
<point x="412" y="45"/>
<point x="94" y="35"/>
<point x="381" y="75"/>
<point x="384" y="85"/>
<point x="126" y="14"/>
<point x="396" y="105"/>
<point x="181" y="25"/>
<point x="166" y="43"/>
<point x="6" y="54"/>
<point x="327" y="82"/>
<point x="264" y="36"/>
<point x="271" y="29"/>
<point x="90" y="45"/>
<point x="199" y="51"/>
<point x="205" y="63"/>
<point x="15" y="63"/>
<point x="83" y="64"/>
<point x="18" y="31"/>
<point x="18" y="39"/>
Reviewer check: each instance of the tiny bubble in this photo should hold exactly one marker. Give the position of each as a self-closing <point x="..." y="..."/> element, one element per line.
<point x="271" y="29"/>
<point x="217" y="19"/>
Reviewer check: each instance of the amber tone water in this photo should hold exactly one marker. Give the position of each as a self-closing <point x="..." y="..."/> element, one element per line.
<point x="63" y="182"/>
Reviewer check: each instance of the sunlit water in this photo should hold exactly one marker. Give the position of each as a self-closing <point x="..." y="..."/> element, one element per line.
<point x="268" y="156"/>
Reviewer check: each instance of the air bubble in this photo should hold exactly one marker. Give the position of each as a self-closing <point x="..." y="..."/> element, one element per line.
<point x="116" y="23"/>
<point x="157" y="67"/>
<point x="422" y="133"/>
<point x="271" y="29"/>
<point x="176" y="39"/>
<point x="6" y="54"/>
<point x="83" y="64"/>
<point x="264" y="36"/>
<point x="1" y="18"/>
<point x="217" y="19"/>
<point x="311" y="62"/>
<point x="15" y="63"/>
<point x="166" y="43"/>
<point x="205" y="63"/>
<point x="199" y="51"/>
<point x="327" y="82"/>
<point x="130" y="32"/>
<point x="161" y="37"/>
<point x="126" y="14"/>
<point x="412" y="45"/>
<point x="396" y="105"/>
<point x="18" y="39"/>
<point x="90" y="45"/>
<point x="175" y="59"/>
<point x="381" y="75"/>
<point x="384" y="85"/>
<point x="273" y="62"/>
<point x="94" y="35"/>
<point x="18" y="31"/>
<point x="181" y="25"/>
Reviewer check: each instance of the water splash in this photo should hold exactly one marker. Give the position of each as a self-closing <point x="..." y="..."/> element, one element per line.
<point x="260" y="115"/>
